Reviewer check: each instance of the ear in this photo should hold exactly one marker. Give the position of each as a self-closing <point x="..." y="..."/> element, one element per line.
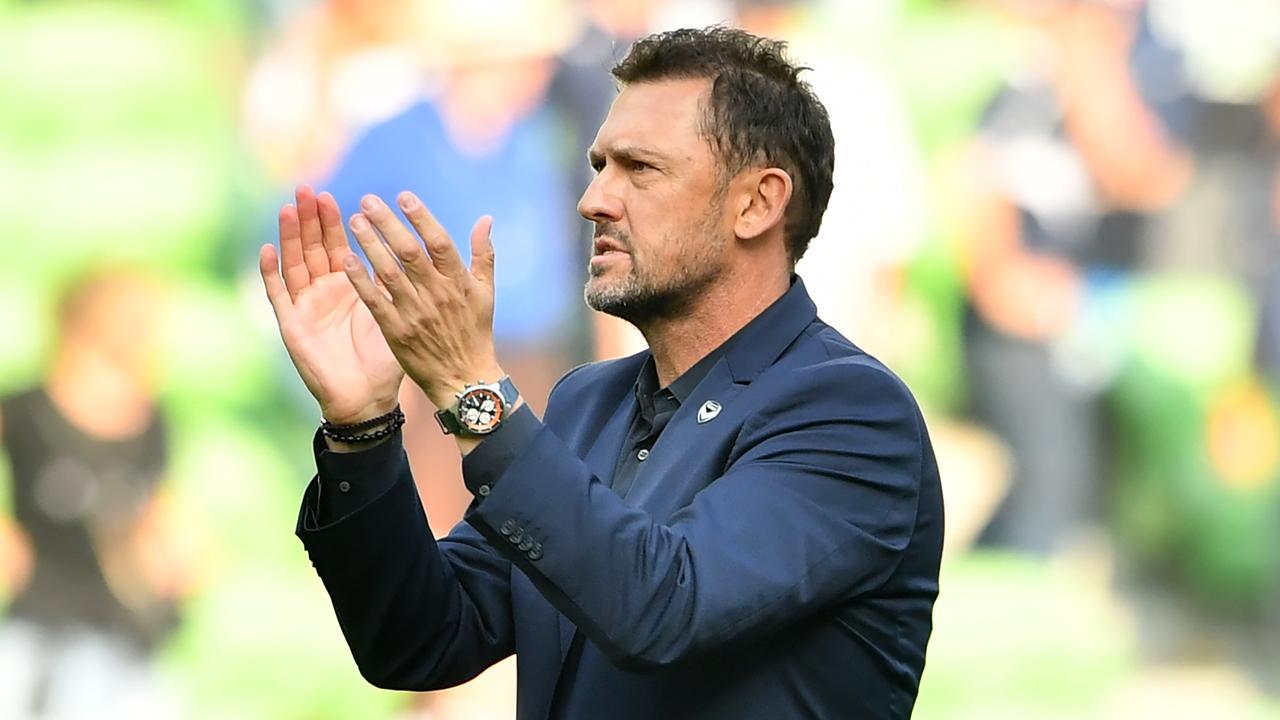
<point x="762" y="200"/>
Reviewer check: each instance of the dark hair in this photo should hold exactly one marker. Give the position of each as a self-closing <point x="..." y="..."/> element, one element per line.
<point x="759" y="112"/>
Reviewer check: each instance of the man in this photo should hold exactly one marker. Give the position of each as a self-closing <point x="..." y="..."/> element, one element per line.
<point x="743" y="521"/>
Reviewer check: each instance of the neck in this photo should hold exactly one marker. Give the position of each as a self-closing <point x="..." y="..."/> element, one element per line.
<point x="97" y="396"/>
<point x="678" y="343"/>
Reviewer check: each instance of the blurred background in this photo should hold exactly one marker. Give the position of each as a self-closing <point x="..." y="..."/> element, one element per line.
<point x="1059" y="220"/>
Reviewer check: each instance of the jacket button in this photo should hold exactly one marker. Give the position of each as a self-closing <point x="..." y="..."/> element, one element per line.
<point x="483" y="490"/>
<point x="515" y="537"/>
<point x="525" y="545"/>
<point x="536" y="552"/>
<point x="344" y="486"/>
<point x="507" y="527"/>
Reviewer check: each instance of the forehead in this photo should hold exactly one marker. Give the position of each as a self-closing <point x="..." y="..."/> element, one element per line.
<point x="664" y="115"/>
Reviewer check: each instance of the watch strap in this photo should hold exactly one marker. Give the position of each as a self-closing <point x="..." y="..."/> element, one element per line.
<point x="508" y="391"/>
<point x="449" y="422"/>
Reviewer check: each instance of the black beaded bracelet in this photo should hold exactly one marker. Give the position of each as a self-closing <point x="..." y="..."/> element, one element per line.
<point x="391" y="422"/>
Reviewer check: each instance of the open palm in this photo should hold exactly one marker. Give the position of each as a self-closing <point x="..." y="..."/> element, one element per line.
<point x="334" y="342"/>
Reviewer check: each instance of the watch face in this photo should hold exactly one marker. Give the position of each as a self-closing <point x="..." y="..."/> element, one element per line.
<point x="480" y="410"/>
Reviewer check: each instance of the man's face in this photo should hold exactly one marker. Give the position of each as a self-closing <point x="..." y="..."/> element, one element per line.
<point x="657" y="202"/>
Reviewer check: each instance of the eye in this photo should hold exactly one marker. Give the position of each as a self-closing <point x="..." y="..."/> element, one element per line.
<point x="639" y="166"/>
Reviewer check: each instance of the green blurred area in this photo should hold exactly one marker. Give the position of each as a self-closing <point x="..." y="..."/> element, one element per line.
<point x="119" y="143"/>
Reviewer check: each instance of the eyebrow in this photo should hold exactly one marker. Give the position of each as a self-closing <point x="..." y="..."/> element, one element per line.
<point x="625" y="153"/>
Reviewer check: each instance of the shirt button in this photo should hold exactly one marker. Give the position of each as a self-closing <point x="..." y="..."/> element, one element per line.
<point x="484" y="490"/>
<point x="526" y="545"/>
<point x="507" y="527"/>
<point x="644" y="453"/>
<point x="344" y="486"/>
<point x="535" y="552"/>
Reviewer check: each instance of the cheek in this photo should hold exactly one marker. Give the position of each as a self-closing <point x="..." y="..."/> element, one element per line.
<point x="662" y="231"/>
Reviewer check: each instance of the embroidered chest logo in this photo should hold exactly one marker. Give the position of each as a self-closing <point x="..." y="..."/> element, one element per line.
<point x="709" y="410"/>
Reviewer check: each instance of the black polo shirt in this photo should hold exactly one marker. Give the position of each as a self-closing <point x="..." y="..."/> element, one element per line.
<point x="656" y="406"/>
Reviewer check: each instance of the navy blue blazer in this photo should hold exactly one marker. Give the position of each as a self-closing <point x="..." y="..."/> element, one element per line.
<point x="778" y="560"/>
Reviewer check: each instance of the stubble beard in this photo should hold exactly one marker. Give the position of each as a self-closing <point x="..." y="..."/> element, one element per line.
<point x="645" y="295"/>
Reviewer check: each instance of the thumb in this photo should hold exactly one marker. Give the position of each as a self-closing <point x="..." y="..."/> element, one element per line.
<point x="482" y="250"/>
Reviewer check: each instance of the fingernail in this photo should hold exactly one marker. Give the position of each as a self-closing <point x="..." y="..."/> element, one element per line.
<point x="358" y="223"/>
<point x="369" y="203"/>
<point x="408" y="201"/>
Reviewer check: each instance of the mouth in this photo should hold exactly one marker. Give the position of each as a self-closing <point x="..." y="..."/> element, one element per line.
<point x="607" y="246"/>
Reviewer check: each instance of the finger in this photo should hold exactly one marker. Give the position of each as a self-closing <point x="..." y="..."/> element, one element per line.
<point x="482" y="250"/>
<point x="313" y="254"/>
<point x="403" y="243"/>
<point x="444" y="256"/>
<point x="277" y="294"/>
<point x="380" y="306"/>
<point x="383" y="262"/>
<point x="336" y="245"/>
<point x="294" y="268"/>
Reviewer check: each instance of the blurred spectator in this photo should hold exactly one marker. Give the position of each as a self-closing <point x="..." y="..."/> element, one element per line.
<point x="1269" y="340"/>
<point x="875" y="222"/>
<point x="1211" y="88"/>
<point x="95" y="554"/>
<point x="486" y="143"/>
<point x="1068" y="156"/>
<point x="1121" y="238"/>
<point x="582" y="88"/>
<point x="335" y="68"/>
<point x="875" y="227"/>
<point x="1197" y="508"/>
<point x="581" y="92"/>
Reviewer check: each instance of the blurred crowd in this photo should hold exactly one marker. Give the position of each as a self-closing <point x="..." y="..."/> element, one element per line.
<point x="1058" y="220"/>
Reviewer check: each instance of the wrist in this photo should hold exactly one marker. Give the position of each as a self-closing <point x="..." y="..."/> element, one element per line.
<point x="339" y="446"/>
<point x="362" y="435"/>
<point x="356" y="416"/>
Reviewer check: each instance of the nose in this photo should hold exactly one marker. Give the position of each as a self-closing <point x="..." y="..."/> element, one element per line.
<point x="597" y="203"/>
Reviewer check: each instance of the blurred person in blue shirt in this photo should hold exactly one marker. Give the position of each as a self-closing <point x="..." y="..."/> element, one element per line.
<point x="487" y="141"/>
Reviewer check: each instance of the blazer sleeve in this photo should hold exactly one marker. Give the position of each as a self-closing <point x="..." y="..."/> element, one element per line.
<point x="817" y="506"/>
<point x="417" y="613"/>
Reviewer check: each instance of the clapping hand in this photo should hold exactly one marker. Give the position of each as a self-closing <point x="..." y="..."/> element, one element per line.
<point x="435" y="313"/>
<point x="330" y="335"/>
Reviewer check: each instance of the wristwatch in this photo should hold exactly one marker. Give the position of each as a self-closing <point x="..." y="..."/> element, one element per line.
<point x="479" y="409"/>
